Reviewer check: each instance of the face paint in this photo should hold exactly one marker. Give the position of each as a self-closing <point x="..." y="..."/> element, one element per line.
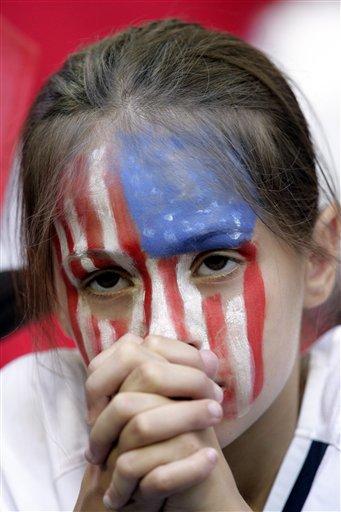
<point x="235" y="331"/>
<point x="77" y="234"/>
<point x="151" y="227"/>
<point x="182" y="210"/>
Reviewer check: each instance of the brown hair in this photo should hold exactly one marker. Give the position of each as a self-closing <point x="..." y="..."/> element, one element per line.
<point x="172" y="73"/>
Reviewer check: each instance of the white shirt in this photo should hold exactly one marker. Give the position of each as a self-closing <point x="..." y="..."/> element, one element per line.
<point x="44" y="434"/>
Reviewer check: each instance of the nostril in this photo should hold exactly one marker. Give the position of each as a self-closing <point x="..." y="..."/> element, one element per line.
<point x="196" y="344"/>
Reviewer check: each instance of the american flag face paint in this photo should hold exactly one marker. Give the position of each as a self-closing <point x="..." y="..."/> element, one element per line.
<point x="139" y="216"/>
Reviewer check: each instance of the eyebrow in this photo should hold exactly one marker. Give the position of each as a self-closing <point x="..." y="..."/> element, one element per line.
<point x="201" y="241"/>
<point x="99" y="258"/>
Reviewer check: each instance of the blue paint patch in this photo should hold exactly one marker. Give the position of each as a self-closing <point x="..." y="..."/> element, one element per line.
<point x="178" y="201"/>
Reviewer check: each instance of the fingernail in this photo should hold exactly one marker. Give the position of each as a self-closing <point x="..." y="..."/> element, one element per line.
<point x="211" y="454"/>
<point x="215" y="410"/>
<point x="107" y="502"/>
<point x="210" y="361"/>
<point x="219" y="393"/>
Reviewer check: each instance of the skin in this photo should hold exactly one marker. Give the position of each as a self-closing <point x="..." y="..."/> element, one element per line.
<point x="163" y="445"/>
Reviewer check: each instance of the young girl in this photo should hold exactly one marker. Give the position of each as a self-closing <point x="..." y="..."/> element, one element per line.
<point x="172" y="222"/>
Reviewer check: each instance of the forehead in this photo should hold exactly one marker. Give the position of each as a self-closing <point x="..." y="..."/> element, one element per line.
<point x="174" y="194"/>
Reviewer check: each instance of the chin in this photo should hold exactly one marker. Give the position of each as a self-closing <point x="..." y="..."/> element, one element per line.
<point x="230" y="428"/>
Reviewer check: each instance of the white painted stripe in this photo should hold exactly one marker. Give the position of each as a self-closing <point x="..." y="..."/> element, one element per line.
<point x="100" y="200"/>
<point x="78" y="235"/>
<point x="88" y="264"/>
<point x="64" y="314"/>
<point x="84" y="321"/>
<point x="107" y="333"/>
<point x="161" y="322"/>
<point x="239" y="351"/>
<point x="62" y="239"/>
<point x="65" y="252"/>
<point x="136" y="325"/>
<point x="192" y="301"/>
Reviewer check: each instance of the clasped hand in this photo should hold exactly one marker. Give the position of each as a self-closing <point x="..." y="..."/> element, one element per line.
<point x="152" y="404"/>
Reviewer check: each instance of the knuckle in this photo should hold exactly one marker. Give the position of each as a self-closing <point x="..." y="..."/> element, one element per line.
<point x="92" y="366"/>
<point x="125" y="466"/>
<point x="140" y="428"/>
<point x="149" y="373"/>
<point x="161" y="481"/>
<point x="120" y="406"/>
<point x="152" y="342"/>
<point x="127" y="352"/>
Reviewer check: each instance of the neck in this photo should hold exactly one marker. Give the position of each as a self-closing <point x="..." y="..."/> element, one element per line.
<point x="265" y="444"/>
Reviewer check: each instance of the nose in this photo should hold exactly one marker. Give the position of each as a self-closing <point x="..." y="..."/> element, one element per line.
<point x="167" y="308"/>
<point x="160" y="315"/>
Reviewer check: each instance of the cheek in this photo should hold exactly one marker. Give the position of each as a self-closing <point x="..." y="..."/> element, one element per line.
<point x="91" y="333"/>
<point x="88" y="326"/>
<point x="282" y="326"/>
<point x="235" y="333"/>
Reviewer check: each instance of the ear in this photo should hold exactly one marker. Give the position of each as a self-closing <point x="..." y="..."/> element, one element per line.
<point x="321" y="270"/>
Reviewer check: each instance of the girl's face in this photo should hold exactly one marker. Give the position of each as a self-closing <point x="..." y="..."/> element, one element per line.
<point x="152" y="242"/>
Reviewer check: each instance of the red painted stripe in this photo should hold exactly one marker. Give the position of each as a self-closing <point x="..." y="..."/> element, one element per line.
<point x="91" y="226"/>
<point x="217" y="337"/>
<point x="72" y="298"/>
<point x="129" y="239"/>
<point x="97" y="345"/>
<point x="120" y="327"/>
<point x="103" y="261"/>
<point x="216" y="325"/>
<point x="254" y="298"/>
<point x="167" y="269"/>
<point x="68" y="235"/>
<point x="77" y="269"/>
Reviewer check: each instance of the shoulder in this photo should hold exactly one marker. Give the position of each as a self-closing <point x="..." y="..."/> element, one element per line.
<point x="309" y="476"/>
<point x="44" y="429"/>
<point x="320" y="412"/>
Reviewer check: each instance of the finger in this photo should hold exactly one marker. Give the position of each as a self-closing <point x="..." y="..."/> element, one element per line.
<point x="180" y="352"/>
<point x="99" y="388"/>
<point x="96" y="409"/>
<point x="115" y="416"/>
<point x="168" y="421"/>
<point x="132" y="466"/>
<point x="172" y="380"/>
<point x="211" y="362"/>
<point x="178" y="476"/>
<point x="97" y="361"/>
<point x="137" y="506"/>
<point x="107" y="378"/>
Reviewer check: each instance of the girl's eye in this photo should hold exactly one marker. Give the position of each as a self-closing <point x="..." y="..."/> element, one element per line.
<point x="216" y="264"/>
<point x="107" y="281"/>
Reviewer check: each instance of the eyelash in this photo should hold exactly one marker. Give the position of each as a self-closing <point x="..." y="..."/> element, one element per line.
<point x="196" y="264"/>
<point x="219" y="273"/>
<point x="86" y="284"/>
